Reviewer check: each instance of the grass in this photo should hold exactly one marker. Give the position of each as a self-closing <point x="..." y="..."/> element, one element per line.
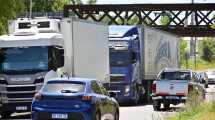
<point x="203" y="111"/>
<point x="200" y="66"/>
<point x="196" y="109"/>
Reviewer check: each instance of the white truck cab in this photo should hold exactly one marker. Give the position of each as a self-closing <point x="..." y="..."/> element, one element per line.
<point x="31" y="49"/>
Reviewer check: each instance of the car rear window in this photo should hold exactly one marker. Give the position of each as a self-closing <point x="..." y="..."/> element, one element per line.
<point x="64" y="87"/>
<point x="176" y="76"/>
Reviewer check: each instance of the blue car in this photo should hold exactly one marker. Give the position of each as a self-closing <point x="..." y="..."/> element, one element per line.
<point x="74" y="99"/>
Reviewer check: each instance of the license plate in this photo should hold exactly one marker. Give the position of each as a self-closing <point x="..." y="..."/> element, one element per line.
<point x="21" y="108"/>
<point x="59" y="116"/>
<point x="172" y="97"/>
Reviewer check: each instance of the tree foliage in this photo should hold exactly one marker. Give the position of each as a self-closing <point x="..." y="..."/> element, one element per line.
<point x="46" y="5"/>
<point x="165" y="18"/>
<point x="208" y="49"/>
<point x="183" y="50"/>
<point x="9" y="10"/>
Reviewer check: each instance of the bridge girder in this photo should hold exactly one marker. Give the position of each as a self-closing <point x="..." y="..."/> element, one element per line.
<point x="179" y="16"/>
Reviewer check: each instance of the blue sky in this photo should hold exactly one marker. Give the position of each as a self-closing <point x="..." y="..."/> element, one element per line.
<point x="150" y="1"/>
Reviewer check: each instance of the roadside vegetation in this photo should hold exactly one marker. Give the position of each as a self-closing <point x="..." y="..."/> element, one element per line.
<point x="196" y="107"/>
<point x="205" y="58"/>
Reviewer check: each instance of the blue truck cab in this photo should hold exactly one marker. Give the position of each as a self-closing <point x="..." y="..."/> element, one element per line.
<point x="124" y="55"/>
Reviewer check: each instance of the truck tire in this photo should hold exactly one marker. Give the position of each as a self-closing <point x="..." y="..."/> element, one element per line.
<point x="156" y="105"/>
<point x="166" y="106"/>
<point x="6" y="114"/>
<point x="137" y="97"/>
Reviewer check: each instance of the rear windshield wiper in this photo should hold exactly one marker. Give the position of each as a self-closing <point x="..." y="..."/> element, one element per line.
<point x="68" y="91"/>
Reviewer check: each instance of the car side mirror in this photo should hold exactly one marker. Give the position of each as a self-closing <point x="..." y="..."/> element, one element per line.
<point x="112" y="94"/>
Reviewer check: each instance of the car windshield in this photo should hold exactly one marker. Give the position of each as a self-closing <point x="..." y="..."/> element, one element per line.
<point x="119" y="58"/>
<point x="176" y="76"/>
<point x="23" y="59"/>
<point x="64" y="87"/>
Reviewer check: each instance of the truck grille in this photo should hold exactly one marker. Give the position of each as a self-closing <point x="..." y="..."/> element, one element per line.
<point x="20" y="92"/>
<point x="117" y="78"/>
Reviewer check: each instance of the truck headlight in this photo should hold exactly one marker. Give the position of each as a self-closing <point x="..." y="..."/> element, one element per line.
<point x="127" y="90"/>
<point x="3" y="80"/>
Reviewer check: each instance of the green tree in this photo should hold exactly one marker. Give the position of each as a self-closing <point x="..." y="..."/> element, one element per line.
<point x="208" y="49"/>
<point x="165" y="18"/>
<point x="183" y="50"/>
<point x="9" y="10"/>
<point x="46" y="5"/>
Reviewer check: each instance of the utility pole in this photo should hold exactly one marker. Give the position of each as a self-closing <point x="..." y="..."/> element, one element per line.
<point x="193" y="39"/>
<point x="30" y="16"/>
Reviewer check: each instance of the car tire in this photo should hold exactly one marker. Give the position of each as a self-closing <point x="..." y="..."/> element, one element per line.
<point x="156" y="105"/>
<point x="166" y="106"/>
<point x="206" y="85"/>
<point x="6" y="114"/>
<point x="116" y="116"/>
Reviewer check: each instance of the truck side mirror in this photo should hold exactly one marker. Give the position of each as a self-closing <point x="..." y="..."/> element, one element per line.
<point x="112" y="94"/>
<point x="61" y="58"/>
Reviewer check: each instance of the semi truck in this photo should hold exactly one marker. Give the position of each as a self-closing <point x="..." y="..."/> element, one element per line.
<point x="137" y="54"/>
<point x="35" y="47"/>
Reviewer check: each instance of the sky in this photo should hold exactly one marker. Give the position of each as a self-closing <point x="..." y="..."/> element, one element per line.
<point x="150" y="1"/>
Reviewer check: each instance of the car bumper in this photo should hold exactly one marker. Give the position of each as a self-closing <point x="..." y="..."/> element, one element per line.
<point x="46" y="114"/>
<point x="170" y="99"/>
<point x="16" y="107"/>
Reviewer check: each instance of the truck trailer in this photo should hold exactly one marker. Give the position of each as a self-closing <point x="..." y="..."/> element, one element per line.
<point x="34" y="47"/>
<point x="137" y="54"/>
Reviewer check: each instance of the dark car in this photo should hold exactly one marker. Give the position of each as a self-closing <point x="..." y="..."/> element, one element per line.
<point x="74" y="99"/>
<point x="204" y="78"/>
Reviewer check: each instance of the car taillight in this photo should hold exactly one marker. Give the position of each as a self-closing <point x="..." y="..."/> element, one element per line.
<point x="190" y="88"/>
<point x="38" y="96"/>
<point x="87" y="98"/>
<point x="154" y="88"/>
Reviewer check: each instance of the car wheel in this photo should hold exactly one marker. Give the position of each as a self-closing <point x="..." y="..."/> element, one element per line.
<point x="156" y="105"/>
<point x="166" y="106"/>
<point x="206" y="85"/>
<point x="116" y="117"/>
<point x="6" y="114"/>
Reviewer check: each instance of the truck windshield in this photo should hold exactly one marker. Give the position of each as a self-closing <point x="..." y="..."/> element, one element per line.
<point x="23" y="59"/>
<point x="176" y="76"/>
<point x="119" y="58"/>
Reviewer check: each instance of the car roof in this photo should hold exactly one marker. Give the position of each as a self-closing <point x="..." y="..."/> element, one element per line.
<point x="175" y="70"/>
<point x="85" y="80"/>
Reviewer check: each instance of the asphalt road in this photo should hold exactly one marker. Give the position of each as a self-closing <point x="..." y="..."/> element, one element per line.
<point x="144" y="112"/>
<point x="139" y="112"/>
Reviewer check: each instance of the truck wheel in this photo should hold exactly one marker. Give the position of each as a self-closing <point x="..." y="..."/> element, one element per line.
<point x="156" y="105"/>
<point x="166" y="106"/>
<point x="5" y="114"/>
<point x="137" y="97"/>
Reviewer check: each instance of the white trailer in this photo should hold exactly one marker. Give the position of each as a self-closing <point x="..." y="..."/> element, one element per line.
<point x="86" y="49"/>
<point x="159" y="50"/>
